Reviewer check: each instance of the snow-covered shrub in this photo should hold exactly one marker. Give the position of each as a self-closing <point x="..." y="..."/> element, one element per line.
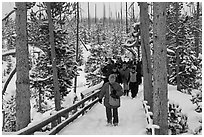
<point x="93" y="64"/>
<point x="197" y="99"/>
<point x="177" y="120"/>
<point x="198" y="130"/>
<point x="10" y="115"/>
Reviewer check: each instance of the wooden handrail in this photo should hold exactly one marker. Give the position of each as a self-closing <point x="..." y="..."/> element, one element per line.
<point x="69" y="120"/>
<point x="149" y="115"/>
<point x="38" y="126"/>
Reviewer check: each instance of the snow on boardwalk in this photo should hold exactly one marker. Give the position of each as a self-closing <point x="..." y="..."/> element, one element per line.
<point x="131" y="120"/>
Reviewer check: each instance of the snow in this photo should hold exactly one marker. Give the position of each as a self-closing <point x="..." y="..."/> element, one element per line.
<point x="132" y="120"/>
<point x="131" y="117"/>
<point x="131" y="113"/>
<point x="11" y="89"/>
<point x="183" y="100"/>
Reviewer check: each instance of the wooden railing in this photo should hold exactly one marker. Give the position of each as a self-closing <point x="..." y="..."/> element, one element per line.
<point x="56" y="125"/>
<point x="149" y="116"/>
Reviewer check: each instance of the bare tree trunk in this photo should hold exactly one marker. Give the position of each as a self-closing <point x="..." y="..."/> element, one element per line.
<point x="22" y="68"/>
<point x="160" y="93"/>
<point x="40" y="99"/>
<point x="146" y="54"/>
<point x="104" y="15"/>
<point x="53" y="57"/>
<point x="133" y="13"/>
<point x="95" y="14"/>
<point x="197" y="32"/>
<point x="121" y="14"/>
<point x="126" y="19"/>
<point x="89" y="23"/>
<point x="77" y="45"/>
<point x="177" y="50"/>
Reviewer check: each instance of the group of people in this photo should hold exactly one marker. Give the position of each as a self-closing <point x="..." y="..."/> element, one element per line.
<point x="120" y="77"/>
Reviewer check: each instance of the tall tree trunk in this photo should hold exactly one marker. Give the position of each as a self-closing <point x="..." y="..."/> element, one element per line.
<point x="121" y="14"/>
<point x="146" y="59"/>
<point x="89" y="23"/>
<point x="133" y="13"/>
<point x="104" y="15"/>
<point x="178" y="48"/>
<point x="77" y="45"/>
<point x="53" y="58"/>
<point x="95" y="14"/>
<point x="81" y="13"/>
<point x="160" y="93"/>
<point x="22" y="68"/>
<point x="197" y="32"/>
<point x="40" y="99"/>
<point x="126" y="18"/>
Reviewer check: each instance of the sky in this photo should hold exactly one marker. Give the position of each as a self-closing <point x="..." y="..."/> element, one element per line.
<point x="114" y="7"/>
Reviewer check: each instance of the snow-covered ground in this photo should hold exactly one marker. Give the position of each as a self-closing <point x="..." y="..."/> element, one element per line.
<point x="132" y="120"/>
<point x="131" y="117"/>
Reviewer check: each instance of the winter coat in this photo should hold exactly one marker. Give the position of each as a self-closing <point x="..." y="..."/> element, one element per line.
<point x="118" y="76"/>
<point x="107" y="70"/>
<point x="105" y="93"/>
<point x="125" y="75"/>
<point x="133" y="77"/>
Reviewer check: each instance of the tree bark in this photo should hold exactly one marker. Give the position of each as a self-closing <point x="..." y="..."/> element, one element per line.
<point x="22" y="68"/>
<point x="77" y="45"/>
<point x="89" y="23"/>
<point x="126" y="18"/>
<point x="177" y="50"/>
<point x="104" y="15"/>
<point x="95" y="14"/>
<point x="197" y="32"/>
<point x="146" y="54"/>
<point x="160" y="106"/>
<point x="121" y="14"/>
<point x="53" y="58"/>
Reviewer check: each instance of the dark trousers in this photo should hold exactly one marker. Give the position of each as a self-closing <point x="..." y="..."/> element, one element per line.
<point x="133" y="88"/>
<point x="112" y="113"/>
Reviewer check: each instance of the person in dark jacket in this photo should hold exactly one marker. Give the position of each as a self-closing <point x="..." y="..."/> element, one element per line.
<point x="125" y="75"/>
<point x="111" y="88"/>
<point x="107" y="69"/>
<point x="133" y="85"/>
<point x="117" y="74"/>
<point x="139" y="72"/>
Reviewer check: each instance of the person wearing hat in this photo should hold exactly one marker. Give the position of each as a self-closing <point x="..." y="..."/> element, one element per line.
<point x="114" y="90"/>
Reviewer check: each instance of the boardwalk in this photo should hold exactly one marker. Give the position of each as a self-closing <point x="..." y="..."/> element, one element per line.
<point x="131" y="120"/>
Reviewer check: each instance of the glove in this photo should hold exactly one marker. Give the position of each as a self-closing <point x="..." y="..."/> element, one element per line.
<point x="100" y="101"/>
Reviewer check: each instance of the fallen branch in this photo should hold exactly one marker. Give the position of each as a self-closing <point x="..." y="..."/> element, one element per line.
<point x="8" y="80"/>
<point x="9" y="14"/>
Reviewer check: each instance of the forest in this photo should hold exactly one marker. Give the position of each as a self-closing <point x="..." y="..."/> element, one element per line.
<point x="43" y="48"/>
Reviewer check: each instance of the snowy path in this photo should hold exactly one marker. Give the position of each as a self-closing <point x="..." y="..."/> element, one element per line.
<point x="131" y="120"/>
